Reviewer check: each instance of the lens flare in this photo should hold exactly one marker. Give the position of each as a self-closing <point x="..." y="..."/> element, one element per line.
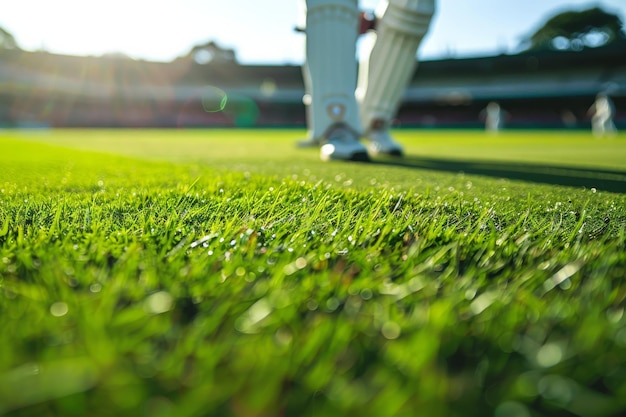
<point x="214" y="99"/>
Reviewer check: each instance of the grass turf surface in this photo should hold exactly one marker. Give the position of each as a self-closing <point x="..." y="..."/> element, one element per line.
<point x="225" y="273"/>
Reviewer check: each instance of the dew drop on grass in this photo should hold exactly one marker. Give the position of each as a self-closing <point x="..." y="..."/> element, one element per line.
<point x="332" y="304"/>
<point x="158" y="303"/>
<point x="283" y="337"/>
<point x="615" y="315"/>
<point x="301" y="263"/>
<point x="59" y="309"/>
<point x="289" y="269"/>
<point x="549" y="355"/>
<point x="566" y="285"/>
<point x="391" y="330"/>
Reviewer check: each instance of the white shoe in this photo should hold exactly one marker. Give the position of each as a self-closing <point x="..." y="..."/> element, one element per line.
<point x="381" y="143"/>
<point x="342" y="142"/>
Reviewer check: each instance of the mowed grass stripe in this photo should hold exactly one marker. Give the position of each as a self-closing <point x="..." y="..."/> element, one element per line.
<point x="561" y="158"/>
<point x="573" y="148"/>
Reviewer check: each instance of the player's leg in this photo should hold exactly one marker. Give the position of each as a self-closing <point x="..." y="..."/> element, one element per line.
<point x="494" y="117"/>
<point x="597" y="125"/>
<point x="608" y="127"/>
<point x="386" y="72"/>
<point x="331" y="68"/>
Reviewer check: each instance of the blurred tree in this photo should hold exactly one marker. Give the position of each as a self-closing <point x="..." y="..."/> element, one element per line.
<point x="575" y="30"/>
<point x="7" y="41"/>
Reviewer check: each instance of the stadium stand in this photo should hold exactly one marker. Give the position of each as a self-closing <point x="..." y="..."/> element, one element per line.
<point x="548" y="89"/>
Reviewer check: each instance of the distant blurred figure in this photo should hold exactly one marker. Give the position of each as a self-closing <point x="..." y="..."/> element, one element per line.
<point x="568" y="118"/>
<point x="338" y="112"/>
<point x="494" y="117"/>
<point x="602" y="112"/>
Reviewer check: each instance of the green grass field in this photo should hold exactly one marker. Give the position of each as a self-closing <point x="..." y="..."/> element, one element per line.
<point x="226" y="273"/>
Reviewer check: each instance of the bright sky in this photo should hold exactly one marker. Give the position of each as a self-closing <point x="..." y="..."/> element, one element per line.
<point x="261" y="31"/>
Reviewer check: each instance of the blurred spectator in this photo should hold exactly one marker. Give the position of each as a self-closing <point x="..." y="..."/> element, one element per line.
<point x="494" y="117"/>
<point x="602" y="112"/>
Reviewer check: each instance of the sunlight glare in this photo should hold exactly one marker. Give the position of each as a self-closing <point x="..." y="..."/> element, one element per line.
<point x="137" y="28"/>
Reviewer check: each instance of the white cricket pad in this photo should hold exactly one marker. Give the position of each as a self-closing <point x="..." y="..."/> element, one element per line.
<point x="331" y="67"/>
<point x="386" y="72"/>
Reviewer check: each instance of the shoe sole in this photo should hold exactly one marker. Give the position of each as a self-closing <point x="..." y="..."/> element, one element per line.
<point x="391" y="154"/>
<point x="360" y="157"/>
<point x="395" y="153"/>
